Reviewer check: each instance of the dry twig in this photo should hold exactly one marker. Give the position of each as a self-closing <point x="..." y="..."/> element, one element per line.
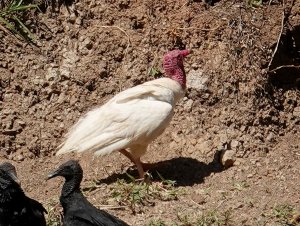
<point x="279" y="38"/>
<point x="110" y="207"/>
<point x="285" y="15"/>
<point x="284" y="66"/>
<point x="201" y="29"/>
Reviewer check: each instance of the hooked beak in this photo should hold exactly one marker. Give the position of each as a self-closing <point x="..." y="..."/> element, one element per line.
<point x="15" y="178"/>
<point x="52" y="175"/>
<point x="185" y="52"/>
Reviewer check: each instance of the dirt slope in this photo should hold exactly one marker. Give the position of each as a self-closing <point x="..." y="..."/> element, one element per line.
<point x="99" y="48"/>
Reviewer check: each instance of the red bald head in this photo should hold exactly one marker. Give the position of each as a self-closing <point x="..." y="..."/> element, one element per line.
<point x="173" y="65"/>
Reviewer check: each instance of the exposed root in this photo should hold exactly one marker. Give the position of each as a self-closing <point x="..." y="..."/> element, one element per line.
<point x="285" y="16"/>
<point x="283" y="66"/>
<point x="279" y="38"/>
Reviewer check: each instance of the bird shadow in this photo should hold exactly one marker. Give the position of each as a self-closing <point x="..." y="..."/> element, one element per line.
<point x="184" y="170"/>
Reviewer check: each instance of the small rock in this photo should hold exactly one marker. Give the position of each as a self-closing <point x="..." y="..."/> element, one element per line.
<point x="193" y="141"/>
<point x="195" y="66"/>
<point x="228" y="158"/>
<point x="223" y="138"/>
<point x="252" y="131"/>
<point x="259" y="136"/>
<point x="36" y="81"/>
<point x="9" y="125"/>
<point x="78" y="21"/>
<point x="19" y="157"/>
<point x="72" y="18"/>
<point x="270" y="137"/>
<point x="84" y="52"/>
<point x="102" y="69"/>
<point x="200" y="199"/>
<point x="243" y="128"/>
<point x="4" y="64"/>
<point x="65" y="72"/>
<point x="196" y="80"/>
<point x="29" y="155"/>
<point x="88" y="43"/>
<point x="234" y="144"/>
<point x="21" y="123"/>
<point x="188" y="105"/>
<point x="52" y="74"/>
<point x="61" y="98"/>
<point x="73" y="100"/>
<point x="240" y="205"/>
<point x="296" y="112"/>
<point x="203" y="146"/>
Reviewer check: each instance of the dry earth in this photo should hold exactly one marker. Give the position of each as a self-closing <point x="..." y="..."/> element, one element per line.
<point x="241" y="97"/>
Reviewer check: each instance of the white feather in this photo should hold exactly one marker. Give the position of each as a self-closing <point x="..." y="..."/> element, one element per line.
<point x="132" y="119"/>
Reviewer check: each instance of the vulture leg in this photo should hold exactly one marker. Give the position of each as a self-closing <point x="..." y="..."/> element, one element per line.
<point x="127" y="154"/>
<point x="146" y="166"/>
<point x="140" y="168"/>
<point x="137" y="162"/>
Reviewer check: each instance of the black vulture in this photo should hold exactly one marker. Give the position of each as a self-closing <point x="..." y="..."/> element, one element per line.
<point x="78" y="211"/>
<point x="16" y="209"/>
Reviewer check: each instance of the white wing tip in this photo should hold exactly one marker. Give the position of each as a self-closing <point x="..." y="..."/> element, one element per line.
<point x="60" y="152"/>
<point x="63" y="150"/>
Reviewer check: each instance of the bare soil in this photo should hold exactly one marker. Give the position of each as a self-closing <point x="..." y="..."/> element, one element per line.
<point x="240" y="97"/>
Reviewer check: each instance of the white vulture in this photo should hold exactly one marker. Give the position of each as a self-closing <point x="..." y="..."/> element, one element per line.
<point x="133" y="118"/>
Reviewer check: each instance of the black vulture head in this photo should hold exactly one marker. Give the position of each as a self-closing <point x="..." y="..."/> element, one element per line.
<point x="69" y="170"/>
<point x="8" y="175"/>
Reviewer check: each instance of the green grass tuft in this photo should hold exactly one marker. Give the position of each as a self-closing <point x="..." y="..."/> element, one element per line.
<point x="215" y="219"/>
<point x="11" y="17"/>
<point x="155" y="72"/>
<point x="156" y="222"/>
<point x="54" y="217"/>
<point x="136" y="195"/>
<point x="284" y="214"/>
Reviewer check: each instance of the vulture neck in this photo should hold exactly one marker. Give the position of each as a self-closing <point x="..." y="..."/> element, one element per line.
<point x="71" y="185"/>
<point x="180" y="77"/>
<point x="11" y="193"/>
<point x="176" y="73"/>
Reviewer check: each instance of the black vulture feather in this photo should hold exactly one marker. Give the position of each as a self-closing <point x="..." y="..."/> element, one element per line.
<point x="16" y="209"/>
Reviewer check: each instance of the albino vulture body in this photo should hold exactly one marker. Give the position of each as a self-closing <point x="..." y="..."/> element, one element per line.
<point x="133" y="118"/>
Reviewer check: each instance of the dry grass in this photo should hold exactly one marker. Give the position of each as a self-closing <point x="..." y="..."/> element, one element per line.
<point x="54" y="216"/>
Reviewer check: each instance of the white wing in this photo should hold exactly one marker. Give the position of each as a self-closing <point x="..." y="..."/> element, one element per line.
<point x="134" y="116"/>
